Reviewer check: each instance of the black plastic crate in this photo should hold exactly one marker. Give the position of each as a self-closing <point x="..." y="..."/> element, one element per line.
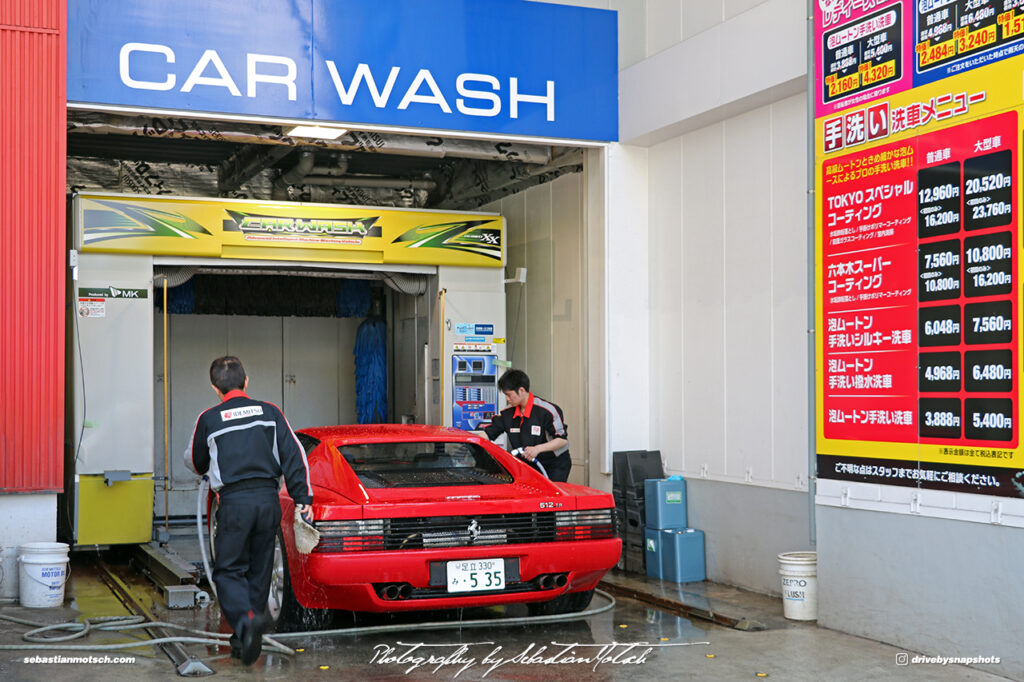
<point x="630" y="468"/>
<point x="635" y="499"/>
<point x="620" y="468"/>
<point x="634" y="560"/>
<point x="643" y="465"/>
<point x="634" y="522"/>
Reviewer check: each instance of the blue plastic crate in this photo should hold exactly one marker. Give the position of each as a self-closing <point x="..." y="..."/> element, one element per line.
<point x="682" y="555"/>
<point x="665" y="503"/>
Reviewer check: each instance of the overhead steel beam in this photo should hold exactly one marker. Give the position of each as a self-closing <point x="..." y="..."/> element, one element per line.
<point x="246" y="164"/>
<point x="353" y="140"/>
<point x="479" y="183"/>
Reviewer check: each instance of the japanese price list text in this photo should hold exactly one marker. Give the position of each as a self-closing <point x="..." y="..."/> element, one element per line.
<point x="862" y="54"/>
<point x="952" y="30"/>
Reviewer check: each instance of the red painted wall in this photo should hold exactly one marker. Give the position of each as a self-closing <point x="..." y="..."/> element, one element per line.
<point x="32" y="243"/>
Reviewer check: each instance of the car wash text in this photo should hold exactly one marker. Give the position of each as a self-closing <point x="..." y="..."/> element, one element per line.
<point x="151" y="66"/>
<point x="509" y="68"/>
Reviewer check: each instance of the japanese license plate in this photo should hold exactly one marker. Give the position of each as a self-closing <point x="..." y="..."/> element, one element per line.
<point x="476" y="575"/>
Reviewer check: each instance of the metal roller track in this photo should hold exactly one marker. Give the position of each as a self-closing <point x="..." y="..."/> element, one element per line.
<point x="185" y="663"/>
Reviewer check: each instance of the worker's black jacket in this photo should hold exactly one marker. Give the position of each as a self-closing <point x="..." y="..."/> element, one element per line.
<point x="248" y="440"/>
<point x="539" y="422"/>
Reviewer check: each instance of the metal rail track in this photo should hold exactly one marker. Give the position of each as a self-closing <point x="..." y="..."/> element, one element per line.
<point x="185" y="663"/>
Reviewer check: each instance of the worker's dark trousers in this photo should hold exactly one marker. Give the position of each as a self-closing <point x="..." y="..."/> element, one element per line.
<point x="247" y="523"/>
<point x="557" y="467"/>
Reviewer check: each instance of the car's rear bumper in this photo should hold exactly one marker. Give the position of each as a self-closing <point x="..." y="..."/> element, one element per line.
<point x="346" y="580"/>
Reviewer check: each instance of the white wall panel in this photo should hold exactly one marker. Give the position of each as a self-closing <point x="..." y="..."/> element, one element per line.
<point x="734" y="198"/>
<point x="747" y="251"/>
<point x="23" y="519"/>
<point x="545" y="234"/>
<point x="789" y="291"/>
<point x="700" y="15"/>
<point x="567" y="352"/>
<point x="514" y="210"/>
<point x="256" y="341"/>
<point x="666" y="296"/>
<point x="734" y="7"/>
<point x="779" y="22"/>
<point x="664" y="24"/>
<point x="632" y="30"/>
<point x="628" y="301"/>
<point x="595" y="273"/>
<point x="347" y="329"/>
<point x="312" y="353"/>
<point x="407" y="342"/>
<point x="703" y="305"/>
<point x="317" y="349"/>
<point x="195" y="341"/>
<point x="712" y="75"/>
<point x="537" y="306"/>
<point x="733" y="290"/>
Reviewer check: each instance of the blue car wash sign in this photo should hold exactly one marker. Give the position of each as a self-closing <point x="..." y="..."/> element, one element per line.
<point x="495" y="66"/>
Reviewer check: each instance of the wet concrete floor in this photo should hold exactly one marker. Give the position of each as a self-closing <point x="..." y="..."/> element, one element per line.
<point x="630" y="641"/>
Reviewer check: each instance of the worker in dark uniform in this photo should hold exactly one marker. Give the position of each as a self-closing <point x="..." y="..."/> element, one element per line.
<point x="534" y="428"/>
<point x="245" y="446"/>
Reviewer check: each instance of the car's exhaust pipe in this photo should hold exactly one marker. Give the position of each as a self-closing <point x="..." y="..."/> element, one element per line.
<point x="393" y="591"/>
<point x="561" y="580"/>
<point x="545" y="582"/>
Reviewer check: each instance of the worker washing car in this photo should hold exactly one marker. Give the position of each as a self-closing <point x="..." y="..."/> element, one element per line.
<point x="245" y="446"/>
<point x="535" y="428"/>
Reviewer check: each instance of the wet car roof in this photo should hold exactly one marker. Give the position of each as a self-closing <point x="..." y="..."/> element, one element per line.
<point x="385" y="432"/>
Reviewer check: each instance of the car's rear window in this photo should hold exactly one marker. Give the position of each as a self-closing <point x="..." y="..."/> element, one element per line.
<point x="308" y="442"/>
<point x="423" y="465"/>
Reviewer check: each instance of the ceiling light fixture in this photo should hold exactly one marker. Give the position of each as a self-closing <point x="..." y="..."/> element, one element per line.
<point x="318" y="132"/>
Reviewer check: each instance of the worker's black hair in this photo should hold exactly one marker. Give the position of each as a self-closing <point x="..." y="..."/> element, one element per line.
<point x="227" y="374"/>
<point x="513" y="380"/>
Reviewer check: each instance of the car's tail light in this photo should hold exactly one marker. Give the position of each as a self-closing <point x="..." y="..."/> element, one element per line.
<point x="350" y="536"/>
<point x="590" y="524"/>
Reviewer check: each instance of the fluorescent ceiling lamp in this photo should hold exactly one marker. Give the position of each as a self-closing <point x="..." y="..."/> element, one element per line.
<point x="319" y="132"/>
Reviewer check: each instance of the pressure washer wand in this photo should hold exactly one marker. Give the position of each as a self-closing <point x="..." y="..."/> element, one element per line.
<point x="518" y="452"/>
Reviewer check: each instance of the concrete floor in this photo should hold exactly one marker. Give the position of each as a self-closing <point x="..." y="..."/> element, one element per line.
<point x="633" y="639"/>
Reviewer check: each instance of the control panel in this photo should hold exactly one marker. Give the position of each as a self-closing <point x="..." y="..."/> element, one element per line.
<point x="474" y="389"/>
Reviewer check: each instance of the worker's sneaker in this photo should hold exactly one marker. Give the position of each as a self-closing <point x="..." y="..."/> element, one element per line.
<point x="236" y="646"/>
<point x="251" y="633"/>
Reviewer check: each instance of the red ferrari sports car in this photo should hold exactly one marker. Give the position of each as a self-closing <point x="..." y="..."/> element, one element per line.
<point x="416" y="517"/>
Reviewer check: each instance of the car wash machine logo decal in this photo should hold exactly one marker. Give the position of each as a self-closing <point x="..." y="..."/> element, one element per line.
<point x="124" y="220"/>
<point x="275" y="228"/>
<point x="470" y="236"/>
<point x="210" y="228"/>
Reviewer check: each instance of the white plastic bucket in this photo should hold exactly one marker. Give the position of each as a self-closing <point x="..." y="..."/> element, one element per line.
<point x="799" y="571"/>
<point x="42" y="573"/>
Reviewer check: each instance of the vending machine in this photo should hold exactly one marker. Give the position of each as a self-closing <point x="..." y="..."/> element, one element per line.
<point x="474" y="390"/>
